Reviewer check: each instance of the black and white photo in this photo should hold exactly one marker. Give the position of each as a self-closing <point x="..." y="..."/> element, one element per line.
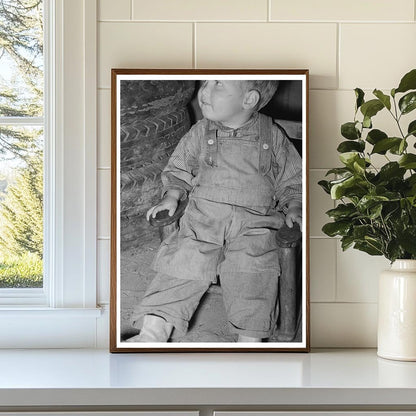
<point x="209" y="233"/>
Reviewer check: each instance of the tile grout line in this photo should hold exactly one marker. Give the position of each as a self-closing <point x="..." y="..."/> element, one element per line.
<point x="254" y="21"/>
<point x="355" y="302"/>
<point x="131" y="10"/>
<point x="338" y="64"/>
<point x="194" y="62"/>
<point x="335" y="248"/>
<point x="269" y="11"/>
<point x="174" y="21"/>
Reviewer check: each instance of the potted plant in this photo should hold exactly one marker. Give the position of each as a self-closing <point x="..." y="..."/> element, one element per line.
<point x="376" y="206"/>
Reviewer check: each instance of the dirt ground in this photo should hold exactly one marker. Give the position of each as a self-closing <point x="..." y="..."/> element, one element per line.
<point x="209" y="322"/>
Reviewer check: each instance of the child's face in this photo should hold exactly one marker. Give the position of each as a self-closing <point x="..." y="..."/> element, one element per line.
<point x="222" y="101"/>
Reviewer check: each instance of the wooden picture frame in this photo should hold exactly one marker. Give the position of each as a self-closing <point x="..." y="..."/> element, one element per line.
<point x="151" y="111"/>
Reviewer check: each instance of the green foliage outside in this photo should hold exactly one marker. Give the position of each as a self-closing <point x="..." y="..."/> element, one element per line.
<point x="376" y="212"/>
<point x="21" y="148"/>
<point x="24" y="271"/>
<point x="21" y="214"/>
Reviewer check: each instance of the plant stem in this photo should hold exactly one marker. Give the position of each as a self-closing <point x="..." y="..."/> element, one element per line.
<point x="397" y="118"/>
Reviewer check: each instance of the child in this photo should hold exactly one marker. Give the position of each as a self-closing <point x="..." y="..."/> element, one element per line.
<point x="236" y="167"/>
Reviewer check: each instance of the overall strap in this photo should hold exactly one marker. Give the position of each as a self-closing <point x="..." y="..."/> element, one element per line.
<point x="212" y="146"/>
<point x="265" y="143"/>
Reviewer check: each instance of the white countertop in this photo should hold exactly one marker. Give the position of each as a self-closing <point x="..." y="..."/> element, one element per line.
<point x="96" y="377"/>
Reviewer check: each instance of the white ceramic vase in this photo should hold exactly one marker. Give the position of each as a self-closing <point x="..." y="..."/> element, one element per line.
<point x="397" y="312"/>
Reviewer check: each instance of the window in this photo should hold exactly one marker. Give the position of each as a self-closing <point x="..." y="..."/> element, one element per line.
<point x="63" y="312"/>
<point x="22" y="127"/>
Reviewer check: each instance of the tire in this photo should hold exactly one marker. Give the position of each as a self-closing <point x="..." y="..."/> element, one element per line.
<point x="154" y="117"/>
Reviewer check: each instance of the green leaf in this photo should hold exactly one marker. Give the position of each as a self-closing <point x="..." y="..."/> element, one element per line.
<point x="368" y="248"/>
<point x="349" y="131"/>
<point x="348" y="158"/>
<point x="374" y="136"/>
<point x="325" y="186"/>
<point x="367" y="122"/>
<point x="339" y="171"/>
<point x="400" y="148"/>
<point x="333" y="229"/>
<point x="359" y="165"/>
<point x="350" y="146"/>
<point x="411" y="130"/>
<point x="376" y="244"/>
<point x="408" y="102"/>
<point x="408" y="82"/>
<point x="411" y="183"/>
<point x="338" y="188"/>
<point x="394" y="251"/>
<point x="385" y="99"/>
<point x="361" y="231"/>
<point x="342" y="211"/>
<point x="391" y="211"/>
<point x="371" y="108"/>
<point x="408" y="161"/>
<point x="411" y="180"/>
<point x="375" y="212"/>
<point x="369" y="201"/>
<point x="359" y="95"/>
<point x="348" y="187"/>
<point x="389" y="171"/>
<point x="407" y="240"/>
<point x="382" y="146"/>
<point x="346" y="242"/>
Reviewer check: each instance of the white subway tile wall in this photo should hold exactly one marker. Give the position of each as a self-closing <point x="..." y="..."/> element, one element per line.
<point x="142" y="45"/>
<point x="270" y="45"/>
<point x="201" y="10"/>
<point x="323" y="269"/>
<point x="104" y="202"/>
<point x="385" y="50"/>
<point x="328" y="109"/>
<point x="103" y="271"/>
<point x="342" y="10"/>
<point x="344" y="44"/>
<point x="114" y="10"/>
<point x="338" y="325"/>
<point x="104" y="128"/>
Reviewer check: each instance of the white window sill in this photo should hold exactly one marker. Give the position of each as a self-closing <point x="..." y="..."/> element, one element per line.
<point x="35" y="312"/>
<point x="40" y="327"/>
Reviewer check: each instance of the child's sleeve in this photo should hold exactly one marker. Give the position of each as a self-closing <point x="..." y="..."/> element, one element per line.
<point x="288" y="167"/>
<point x="183" y="164"/>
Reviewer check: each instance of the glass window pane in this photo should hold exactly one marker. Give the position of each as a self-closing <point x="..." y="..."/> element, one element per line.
<point x="21" y="207"/>
<point x="21" y="58"/>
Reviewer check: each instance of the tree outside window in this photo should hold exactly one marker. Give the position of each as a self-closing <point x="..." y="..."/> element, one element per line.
<point x="21" y="143"/>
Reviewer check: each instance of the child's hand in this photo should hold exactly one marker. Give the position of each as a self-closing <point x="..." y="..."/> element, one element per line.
<point x="294" y="214"/>
<point x="169" y="203"/>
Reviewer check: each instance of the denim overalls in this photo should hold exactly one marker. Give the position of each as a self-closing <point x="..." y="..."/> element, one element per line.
<point x="226" y="231"/>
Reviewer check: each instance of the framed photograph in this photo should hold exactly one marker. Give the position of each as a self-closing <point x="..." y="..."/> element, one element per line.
<point x="209" y="211"/>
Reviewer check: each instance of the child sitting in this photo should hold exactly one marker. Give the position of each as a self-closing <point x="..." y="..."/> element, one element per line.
<point x="238" y="169"/>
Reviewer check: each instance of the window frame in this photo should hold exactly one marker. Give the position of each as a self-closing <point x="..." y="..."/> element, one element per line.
<point x="70" y="207"/>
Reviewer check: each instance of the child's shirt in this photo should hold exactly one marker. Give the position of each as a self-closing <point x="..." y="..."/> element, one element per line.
<point x="237" y="166"/>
